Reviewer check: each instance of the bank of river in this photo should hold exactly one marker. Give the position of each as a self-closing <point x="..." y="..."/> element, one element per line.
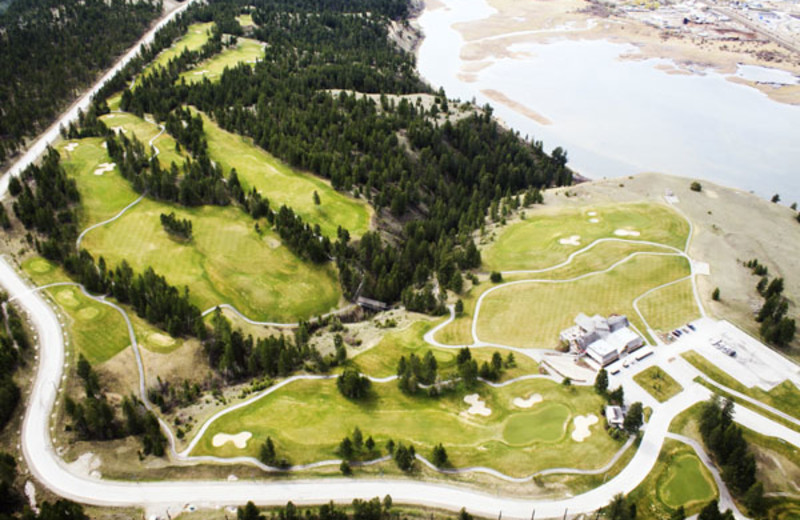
<point x="618" y="117"/>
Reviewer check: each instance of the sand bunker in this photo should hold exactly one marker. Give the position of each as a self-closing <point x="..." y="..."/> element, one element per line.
<point x="105" y="168"/>
<point x="592" y="213"/>
<point x="574" y="240"/>
<point x="626" y="233"/>
<point x="71" y="147"/>
<point x="477" y="406"/>
<point x="200" y="72"/>
<point x="582" y="423"/>
<point x="239" y="440"/>
<point x="594" y="220"/>
<point x="527" y="403"/>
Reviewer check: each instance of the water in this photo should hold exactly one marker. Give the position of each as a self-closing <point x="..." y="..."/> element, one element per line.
<point x="619" y="117"/>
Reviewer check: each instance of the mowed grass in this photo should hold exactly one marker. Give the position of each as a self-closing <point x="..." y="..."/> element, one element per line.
<point x="102" y="196"/>
<point x="670" y="307"/>
<point x="546" y="423"/>
<point x="146" y="131"/>
<point x="785" y="396"/>
<point x="227" y="261"/>
<point x="679" y="478"/>
<point x="658" y="383"/>
<point x="308" y="419"/>
<point x="284" y="185"/>
<point x="245" y="20"/>
<point x="532" y="314"/>
<point x="246" y="51"/>
<point x="600" y="257"/>
<point x="535" y="242"/>
<point x="381" y="360"/>
<point x="196" y="36"/>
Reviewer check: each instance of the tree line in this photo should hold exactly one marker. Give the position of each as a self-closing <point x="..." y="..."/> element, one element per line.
<point x="776" y="327"/>
<point x="14" y="343"/>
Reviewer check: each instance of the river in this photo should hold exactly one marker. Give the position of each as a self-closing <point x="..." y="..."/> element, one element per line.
<point x="618" y="117"/>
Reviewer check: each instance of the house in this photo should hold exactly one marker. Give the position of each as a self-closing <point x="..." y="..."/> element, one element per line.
<point x="615" y="416"/>
<point x="371" y="305"/>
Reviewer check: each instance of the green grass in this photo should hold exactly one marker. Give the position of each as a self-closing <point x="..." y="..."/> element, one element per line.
<point x="196" y="36"/>
<point x="245" y="20"/>
<point x="246" y="51"/>
<point x="102" y="196"/>
<point x="670" y="307"/>
<point x="546" y="423"/>
<point x="679" y="478"/>
<point x="785" y="396"/>
<point x="534" y="242"/>
<point x="658" y="383"/>
<point x="284" y="185"/>
<point x="381" y="360"/>
<point x="533" y="314"/>
<point x="308" y="419"/>
<point x="227" y="261"/>
<point x="145" y="131"/>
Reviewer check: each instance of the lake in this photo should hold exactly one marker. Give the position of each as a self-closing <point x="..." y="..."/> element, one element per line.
<point x="617" y="117"/>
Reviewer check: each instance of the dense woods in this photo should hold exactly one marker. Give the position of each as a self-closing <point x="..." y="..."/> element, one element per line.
<point x="13" y="343"/>
<point x="55" y="48"/>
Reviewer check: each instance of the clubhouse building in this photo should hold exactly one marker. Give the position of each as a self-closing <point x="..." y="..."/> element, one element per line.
<point x="603" y="340"/>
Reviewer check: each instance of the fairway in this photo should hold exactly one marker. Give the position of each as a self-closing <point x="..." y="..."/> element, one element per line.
<point x="281" y="184"/>
<point x="536" y="242"/>
<point x="532" y="314"/>
<point x="307" y="419"/>
<point x="227" y="261"/>
<point x="685" y="481"/>
<point x="670" y="307"/>
<point x="145" y="131"/>
<point x="658" y="383"/>
<point x="196" y="36"/>
<point x="547" y="424"/>
<point x="246" y="51"/>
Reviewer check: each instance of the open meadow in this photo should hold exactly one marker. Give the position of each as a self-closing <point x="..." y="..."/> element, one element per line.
<point x="307" y="419"/>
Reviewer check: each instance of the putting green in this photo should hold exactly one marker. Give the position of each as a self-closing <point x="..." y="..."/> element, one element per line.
<point x="546" y="424"/>
<point x="227" y="261"/>
<point x="684" y="482"/>
<point x="307" y="419"/>
<point x="284" y="185"/>
<point x="246" y="51"/>
<point x="532" y="314"/>
<point x="537" y="241"/>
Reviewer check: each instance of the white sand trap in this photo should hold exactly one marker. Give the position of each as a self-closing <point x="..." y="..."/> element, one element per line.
<point x="574" y="240"/>
<point x="239" y="440"/>
<point x="594" y="220"/>
<point x="105" y="168"/>
<point x="592" y="213"/>
<point x="582" y="423"/>
<point x="626" y="233"/>
<point x="527" y="403"/>
<point x="200" y="72"/>
<point x="477" y="406"/>
<point x="71" y="147"/>
<point x="105" y="145"/>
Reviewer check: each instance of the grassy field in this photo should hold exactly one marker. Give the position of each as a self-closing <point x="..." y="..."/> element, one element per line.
<point x="658" y="383"/>
<point x="784" y="397"/>
<point x="196" y="36"/>
<point x="144" y="132"/>
<point x="679" y="478"/>
<point x="307" y="419"/>
<point x="381" y="360"/>
<point x="284" y="185"/>
<point x="670" y="307"/>
<point x="533" y="314"/>
<point x="246" y="51"/>
<point x="535" y="242"/>
<point x="227" y="261"/>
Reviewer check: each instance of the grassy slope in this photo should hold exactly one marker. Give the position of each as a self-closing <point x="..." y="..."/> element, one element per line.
<point x="227" y="261"/>
<point x="658" y="383"/>
<point x="534" y="243"/>
<point x="247" y="50"/>
<point x="284" y="185"/>
<point x="784" y="397"/>
<point x="670" y="307"/>
<point x="533" y="314"/>
<point x="381" y="360"/>
<point x="308" y="419"/>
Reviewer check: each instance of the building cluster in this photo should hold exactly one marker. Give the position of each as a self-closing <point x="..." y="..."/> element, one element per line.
<point x="603" y="340"/>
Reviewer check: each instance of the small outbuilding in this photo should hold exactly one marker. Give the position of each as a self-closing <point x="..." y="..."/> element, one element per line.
<point x="615" y="416"/>
<point x="371" y="305"/>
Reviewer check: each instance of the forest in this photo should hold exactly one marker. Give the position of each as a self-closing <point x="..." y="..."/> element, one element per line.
<point x="55" y="50"/>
